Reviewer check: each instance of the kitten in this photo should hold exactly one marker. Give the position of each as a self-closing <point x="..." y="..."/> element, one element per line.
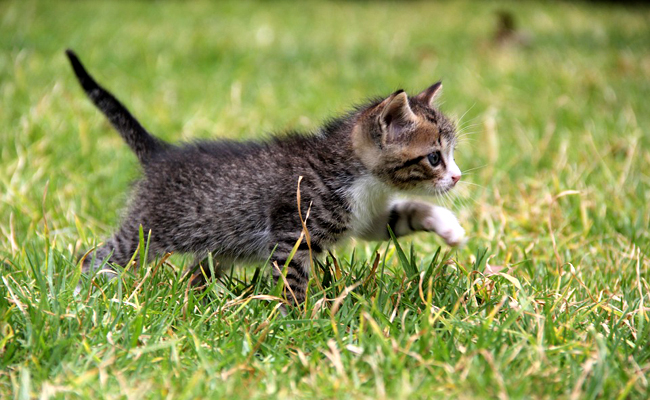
<point x="237" y="200"/>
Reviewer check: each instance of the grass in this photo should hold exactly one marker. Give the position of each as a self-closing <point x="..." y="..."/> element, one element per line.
<point x="549" y="299"/>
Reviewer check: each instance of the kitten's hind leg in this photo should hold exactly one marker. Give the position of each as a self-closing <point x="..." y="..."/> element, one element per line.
<point x="117" y="250"/>
<point x="297" y="272"/>
<point x="200" y="272"/>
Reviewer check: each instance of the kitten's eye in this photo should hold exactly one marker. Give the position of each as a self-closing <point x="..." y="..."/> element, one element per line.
<point x="434" y="158"/>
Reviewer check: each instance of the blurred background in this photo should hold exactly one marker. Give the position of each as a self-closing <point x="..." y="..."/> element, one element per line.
<point x="549" y="297"/>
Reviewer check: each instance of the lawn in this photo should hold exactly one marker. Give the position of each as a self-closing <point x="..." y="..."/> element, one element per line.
<point x="550" y="297"/>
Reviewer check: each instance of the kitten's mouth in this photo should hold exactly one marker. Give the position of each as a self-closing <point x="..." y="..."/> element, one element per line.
<point x="444" y="189"/>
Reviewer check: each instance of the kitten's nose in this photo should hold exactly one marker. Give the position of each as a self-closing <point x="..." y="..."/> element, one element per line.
<point x="455" y="178"/>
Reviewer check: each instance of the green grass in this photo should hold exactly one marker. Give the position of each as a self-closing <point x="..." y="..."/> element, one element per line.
<point x="549" y="299"/>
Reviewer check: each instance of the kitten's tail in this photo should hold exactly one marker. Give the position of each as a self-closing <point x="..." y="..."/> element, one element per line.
<point x="141" y="142"/>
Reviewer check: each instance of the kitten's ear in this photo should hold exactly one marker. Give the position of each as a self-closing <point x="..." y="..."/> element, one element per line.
<point x="396" y="116"/>
<point x="429" y="95"/>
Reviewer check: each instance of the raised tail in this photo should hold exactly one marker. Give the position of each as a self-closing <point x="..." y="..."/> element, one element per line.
<point x="141" y="142"/>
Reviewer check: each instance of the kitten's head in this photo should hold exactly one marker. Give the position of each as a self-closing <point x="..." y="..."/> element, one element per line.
<point x="408" y="144"/>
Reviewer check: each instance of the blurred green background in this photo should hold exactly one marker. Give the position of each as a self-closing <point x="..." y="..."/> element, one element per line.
<point x="554" y="113"/>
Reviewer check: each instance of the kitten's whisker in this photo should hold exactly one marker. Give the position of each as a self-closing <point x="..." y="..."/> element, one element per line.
<point x="463" y="136"/>
<point x="467" y="126"/>
<point x="469" y="198"/>
<point x="474" y="169"/>
<point x="443" y="199"/>
<point x="472" y="184"/>
<point x="460" y="120"/>
<point x="460" y="134"/>
<point x="471" y="134"/>
<point x="467" y="136"/>
<point x="449" y="198"/>
<point x="463" y="140"/>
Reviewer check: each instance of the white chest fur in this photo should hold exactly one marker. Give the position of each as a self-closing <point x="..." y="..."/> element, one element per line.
<point x="369" y="199"/>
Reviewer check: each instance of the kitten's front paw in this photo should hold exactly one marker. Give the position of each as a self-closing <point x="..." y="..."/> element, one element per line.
<point x="454" y="236"/>
<point x="445" y="224"/>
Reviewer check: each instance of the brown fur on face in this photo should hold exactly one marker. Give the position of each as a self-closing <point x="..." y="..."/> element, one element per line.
<point x="394" y="138"/>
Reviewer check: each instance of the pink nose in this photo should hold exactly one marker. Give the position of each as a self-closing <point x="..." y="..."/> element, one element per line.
<point x="455" y="178"/>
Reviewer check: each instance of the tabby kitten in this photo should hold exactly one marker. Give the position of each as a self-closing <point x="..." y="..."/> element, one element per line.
<point x="237" y="200"/>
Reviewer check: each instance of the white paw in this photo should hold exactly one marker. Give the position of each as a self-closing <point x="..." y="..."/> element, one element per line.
<point x="444" y="223"/>
<point x="454" y="236"/>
